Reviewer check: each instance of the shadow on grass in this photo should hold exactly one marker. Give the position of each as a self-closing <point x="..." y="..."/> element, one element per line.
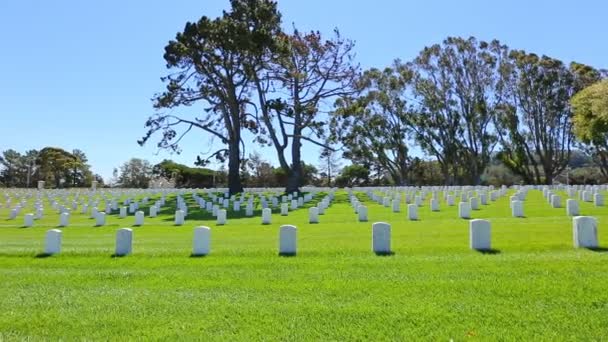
<point x="384" y="254"/>
<point x="490" y="251"/>
<point x="598" y="249"/>
<point x="287" y="255"/>
<point x="113" y="256"/>
<point x="42" y="255"/>
<point x="198" y="256"/>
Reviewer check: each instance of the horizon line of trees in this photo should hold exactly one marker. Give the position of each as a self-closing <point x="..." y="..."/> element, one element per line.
<point x="462" y="102"/>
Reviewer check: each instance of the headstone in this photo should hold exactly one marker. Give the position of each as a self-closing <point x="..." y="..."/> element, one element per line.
<point x="396" y="207"/>
<point x="483" y="198"/>
<point x="52" y="242"/>
<point x="202" y="240"/>
<point x="64" y="220"/>
<point x="381" y="237"/>
<point x="249" y="210"/>
<point x="124" y="242"/>
<point x="40" y="185"/>
<point x="28" y="220"/>
<point x="153" y="211"/>
<point x="572" y="207"/>
<point x="480" y="234"/>
<point x="294" y="204"/>
<point x="434" y="204"/>
<point x="598" y="200"/>
<point x="284" y="209"/>
<point x="450" y="200"/>
<point x="100" y="220"/>
<point x="412" y="212"/>
<point x="288" y="236"/>
<point x="474" y="203"/>
<point x="313" y="215"/>
<point x="517" y="208"/>
<point x="464" y="210"/>
<point x="362" y="213"/>
<point x="266" y="215"/>
<point x="221" y="217"/>
<point x="139" y="218"/>
<point x="179" y="217"/>
<point x="556" y="201"/>
<point x="584" y="232"/>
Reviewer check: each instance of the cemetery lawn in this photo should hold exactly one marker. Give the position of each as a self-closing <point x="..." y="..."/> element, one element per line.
<point x="533" y="286"/>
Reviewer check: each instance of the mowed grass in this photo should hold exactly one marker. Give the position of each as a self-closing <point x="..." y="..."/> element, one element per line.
<point x="534" y="287"/>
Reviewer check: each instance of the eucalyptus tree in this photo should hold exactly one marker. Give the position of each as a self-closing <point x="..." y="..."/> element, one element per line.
<point x="458" y="92"/>
<point x="373" y="126"/>
<point x="536" y="121"/>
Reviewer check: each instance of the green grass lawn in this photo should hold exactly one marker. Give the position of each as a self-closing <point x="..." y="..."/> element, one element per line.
<point x="535" y="287"/>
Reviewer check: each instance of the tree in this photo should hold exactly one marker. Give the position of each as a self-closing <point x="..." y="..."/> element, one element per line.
<point x="373" y="127"/>
<point x="535" y="125"/>
<point x="590" y="119"/>
<point x="311" y="72"/>
<point x="329" y="162"/>
<point x="55" y="166"/>
<point x="262" y="172"/>
<point x="135" y="173"/>
<point x="213" y="61"/>
<point x="184" y="176"/>
<point x="459" y="91"/>
<point x="81" y="175"/>
<point x="353" y="175"/>
<point x="12" y="163"/>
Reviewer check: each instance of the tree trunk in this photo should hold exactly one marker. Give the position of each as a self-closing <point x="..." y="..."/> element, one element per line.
<point x="294" y="176"/>
<point x="234" y="167"/>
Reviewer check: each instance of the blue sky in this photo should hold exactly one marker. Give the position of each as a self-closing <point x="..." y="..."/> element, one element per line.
<point x="80" y="74"/>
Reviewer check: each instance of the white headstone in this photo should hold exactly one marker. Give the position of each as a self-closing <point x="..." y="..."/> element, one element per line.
<point x="153" y="211"/>
<point x="52" y="242"/>
<point x="266" y="215"/>
<point x="202" y="240"/>
<point x="64" y="220"/>
<point x="288" y="236"/>
<point x="464" y="210"/>
<point x="598" y="200"/>
<point x="517" y="209"/>
<point x="450" y="200"/>
<point x="139" y="218"/>
<point x="313" y="215"/>
<point x="556" y="201"/>
<point x="572" y="207"/>
<point x="362" y="212"/>
<point x="28" y="220"/>
<point x="284" y="209"/>
<point x="179" y="217"/>
<point x="100" y="220"/>
<point x="434" y="204"/>
<point x="396" y="207"/>
<point x="480" y="234"/>
<point x="474" y="203"/>
<point x="221" y="217"/>
<point x="412" y="212"/>
<point x="381" y="237"/>
<point x="124" y="241"/>
<point x="584" y="232"/>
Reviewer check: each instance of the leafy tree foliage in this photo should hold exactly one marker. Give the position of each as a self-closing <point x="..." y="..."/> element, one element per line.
<point x="590" y="107"/>
<point x="184" y="176"/>
<point x="135" y="173"/>
<point x="536" y="124"/>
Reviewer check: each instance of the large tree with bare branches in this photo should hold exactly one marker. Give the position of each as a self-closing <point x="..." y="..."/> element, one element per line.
<point x="296" y="91"/>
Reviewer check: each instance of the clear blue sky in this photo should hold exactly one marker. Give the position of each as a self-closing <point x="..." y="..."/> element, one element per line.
<point x="80" y="74"/>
